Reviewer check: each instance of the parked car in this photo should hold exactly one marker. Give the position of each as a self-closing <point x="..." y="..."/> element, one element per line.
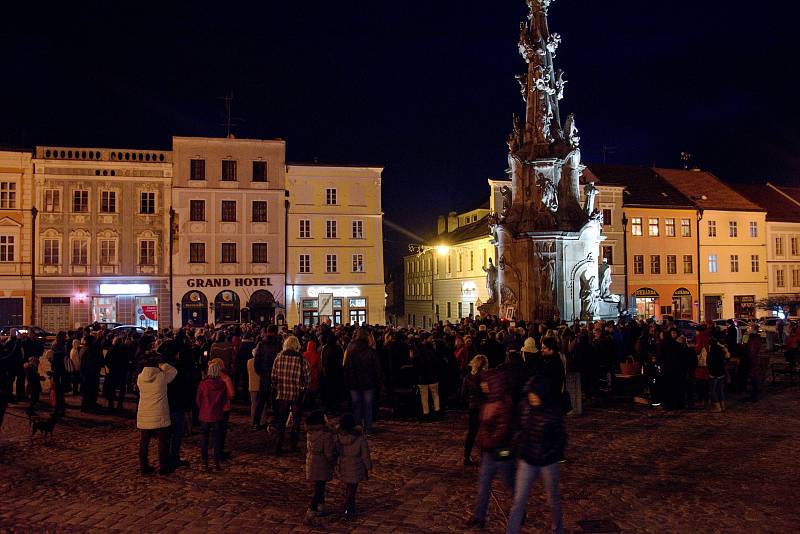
<point x="40" y="333"/>
<point x="687" y="328"/>
<point x="768" y="325"/>
<point x="741" y="327"/>
<point x="124" y="330"/>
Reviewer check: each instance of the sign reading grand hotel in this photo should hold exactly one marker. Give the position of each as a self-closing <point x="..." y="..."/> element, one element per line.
<point x="228" y="282"/>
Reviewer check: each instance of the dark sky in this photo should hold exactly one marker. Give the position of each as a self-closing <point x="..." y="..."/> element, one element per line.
<point x="425" y="88"/>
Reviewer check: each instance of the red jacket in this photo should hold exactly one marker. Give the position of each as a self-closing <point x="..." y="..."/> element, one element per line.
<point x="312" y="356"/>
<point x="212" y="396"/>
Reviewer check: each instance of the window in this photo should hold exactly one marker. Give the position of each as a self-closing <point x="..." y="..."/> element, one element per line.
<point x="197" y="210"/>
<point x="779" y="246"/>
<point x="6" y="248"/>
<point x="607" y="217"/>
<point x="305" y="266"/>
<point x="669" y="228"/>
<point x="448" y="264"/>
<point x="108" y="201"/>
<point x="147" y="252"/>
<point x="259" y="253"/>
<point x="108" y="252"/>
<point x="330" y="197"/>
<point x="688" y="266"/>
<point x="794" y="246"/>
<point x="197" y="252"/>
<point x="672" y="264"/>
<point x="330" y="263"/>
<point x="460" y="310"/>
<point x="80" y="252"/>
<point x="471" y="260"/>
<point x="228" y="170"/>
<point x="653" y="227"/>
<point x="779" y="278"/>
<point x="733" y="229"/>
<point x="51" y="249"/>
<point x="358" y="263"/>
<point x="458" y="263"/>
<point x="449" y="310"/>
<point x="52" y="200"/>
<point x="259" y="171"/>
<point x="228" y="211"/>
<point x="305" y="229"/>
<point x="259" y="211"/>
<point x="197" y="169"/>
<point x="686" y="228"/>
<point x="712" y="228"/>
<point x="608" y="254"/>
<point x="229" y="253"/>
<point x="358" y="229"/>
<point x="734" y="263"/>
<point x="8" y="195"/>
<point x="636" y="226"/>
<point x="754" y="263"/>
<point x="330" y="229"/>
<point x="753" y="229"/>
<point x="796" y="277"/>
<point x="147" y="202"/>
<point x="466" y="220"/>
<point x="712" y="263"/>
<point x="80" y="201"/>
<point x="638" y="264"/>
<point x="655" y="264"/>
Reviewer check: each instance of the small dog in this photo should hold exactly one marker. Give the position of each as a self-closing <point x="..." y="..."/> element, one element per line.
<point x="45" y="427"/>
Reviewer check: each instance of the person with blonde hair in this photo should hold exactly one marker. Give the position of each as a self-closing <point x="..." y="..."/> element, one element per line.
<point x="471" y="392"/>
<point x="212" y="396"/>
<point x="290" y="377"/>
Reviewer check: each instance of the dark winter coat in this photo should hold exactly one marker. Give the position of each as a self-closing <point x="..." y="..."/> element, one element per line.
<point x="716" y="360"/>
<point x="266" y="352"/>
<point x="497" y="410"/>
<point x="425" y="365"/>
<point x="543" y="436"/>
<point x="362" y="369"/>
<point x="354" y="459"/>
<point x="224" y="351"/>
<point x="321" y="453"/>
<point x="471" y="391"/>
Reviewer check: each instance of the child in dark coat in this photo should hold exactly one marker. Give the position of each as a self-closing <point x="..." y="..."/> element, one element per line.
<point x="33" y="382"/>
<point x="321" y="453"/>
<point x="354" y="461"/>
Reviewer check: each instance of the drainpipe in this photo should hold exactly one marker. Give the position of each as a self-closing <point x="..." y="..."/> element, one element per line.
<point x="286" y="205"/>
<point x="625" y="256"/>
<point x="171" y="247"/>
<point x="699" y="267"/>
<point x="34" y="213"/>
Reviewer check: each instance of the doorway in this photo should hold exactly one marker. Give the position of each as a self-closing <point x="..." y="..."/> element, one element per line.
<point x="194" y="309"/>
<point x="262" y="307"/>
<point x="712" y="307"/>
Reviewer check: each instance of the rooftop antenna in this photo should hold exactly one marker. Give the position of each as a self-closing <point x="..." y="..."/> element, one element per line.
<point x="608" y="149"/>
<point x="228" y="114"/>
<point x="685" y="157"/>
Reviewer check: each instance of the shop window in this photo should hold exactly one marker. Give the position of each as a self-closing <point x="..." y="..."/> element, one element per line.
<point x="104" y="309"/>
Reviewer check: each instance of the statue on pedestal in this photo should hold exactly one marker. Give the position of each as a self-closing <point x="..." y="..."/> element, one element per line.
<point x="491" y="280"/>
<point x="549" y="193"/>
<point x="590" y="191"/>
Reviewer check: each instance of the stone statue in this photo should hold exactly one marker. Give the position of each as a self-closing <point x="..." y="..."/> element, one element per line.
<point x="571" y="131"/>
<point x="549" y="193"/>
<point x="605" y="284"/>
<point x="491" y="280"/>
<point x="552" y="44"/>
<point x="505" y="191"/>
<point x="560" y="83"/>
<point x="588" y="298"/>
<point x="522" y="79"/>
<point x="591" y="192"/>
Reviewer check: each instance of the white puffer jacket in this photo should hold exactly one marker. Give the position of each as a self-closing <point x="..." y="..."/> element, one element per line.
<point x="153" y="404"/>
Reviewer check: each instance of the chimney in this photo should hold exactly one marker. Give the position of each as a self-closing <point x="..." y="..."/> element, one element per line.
<point x="452" y="221"/>
<point x="441" y="225"/>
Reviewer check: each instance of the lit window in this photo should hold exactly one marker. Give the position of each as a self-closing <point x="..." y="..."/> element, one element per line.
<point x="733" y="229"/>
<point x="669" y="227"/>
<point x="712" y="263"/>
<point x="712" y="228"/>
<point x="653" y="227"/>
<point x="358" y="263"/>
<point x="686" y="228"/>
<point x="636" y="226"/>
<point x="753" y="229"/>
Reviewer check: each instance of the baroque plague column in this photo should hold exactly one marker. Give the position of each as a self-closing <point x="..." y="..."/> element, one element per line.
<point x="547" y="241"/>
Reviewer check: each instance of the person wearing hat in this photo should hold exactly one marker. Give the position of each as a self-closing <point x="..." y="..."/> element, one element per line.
<point x="212" y="396"/>
<point x="354" y="461"/>
<point x="321" y="454"/>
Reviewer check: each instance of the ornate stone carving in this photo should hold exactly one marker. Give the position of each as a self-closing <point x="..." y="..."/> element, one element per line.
<point x="491" y="280"/>
<point x="505" y="191"/>
<point x="560" y="83"/>
<point x="522" y="80"/>
<point x="589" y="296"/>
<point x="590" y="192"/>
<point x="548" y="192"/>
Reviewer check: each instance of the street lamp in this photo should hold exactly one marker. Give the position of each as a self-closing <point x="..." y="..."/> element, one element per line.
<point x="441" y="250"/>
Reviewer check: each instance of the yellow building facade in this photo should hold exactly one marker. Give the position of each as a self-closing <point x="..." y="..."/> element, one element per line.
<point x="16" y="224"/>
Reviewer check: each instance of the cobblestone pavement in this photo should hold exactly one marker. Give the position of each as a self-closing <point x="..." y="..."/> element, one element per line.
<point x="644" y="469"/>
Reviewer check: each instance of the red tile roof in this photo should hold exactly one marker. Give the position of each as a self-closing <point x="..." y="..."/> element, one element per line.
<point x="707" y="191"/>
<point x="779" y="208"/>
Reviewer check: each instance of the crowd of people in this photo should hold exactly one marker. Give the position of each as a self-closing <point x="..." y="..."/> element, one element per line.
<point x="510" y="377"/>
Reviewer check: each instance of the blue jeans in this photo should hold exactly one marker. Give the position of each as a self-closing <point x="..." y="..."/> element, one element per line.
<point x="178" y="420"/>
<point x="718" y="389"/>
<point x="362" y="406"/>
<point x="526" y="476"/>
<point x="489" y="469"/>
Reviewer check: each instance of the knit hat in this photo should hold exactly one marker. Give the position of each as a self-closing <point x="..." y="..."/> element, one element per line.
<point x="530" y="346"/>
<point x="347" y="422"/>
<point x="213" y="370"/>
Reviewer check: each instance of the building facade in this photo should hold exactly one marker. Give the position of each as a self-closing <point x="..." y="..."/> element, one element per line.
<point x="102" y="236"/>
<point x="732" y="245"/>
<point x="335" y="245"/>
<point x="228" y="197"/>
<point x="16" y="223"/>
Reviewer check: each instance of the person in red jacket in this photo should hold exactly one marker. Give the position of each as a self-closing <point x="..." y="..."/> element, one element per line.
<point x="313" y="357"/>
<point x="212" y="397"/>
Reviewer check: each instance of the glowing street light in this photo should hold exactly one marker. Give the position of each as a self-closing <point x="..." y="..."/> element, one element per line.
<point x="443" y="250"/>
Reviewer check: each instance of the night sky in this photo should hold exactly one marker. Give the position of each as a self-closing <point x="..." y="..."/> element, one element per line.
<point x="425" y="88"/>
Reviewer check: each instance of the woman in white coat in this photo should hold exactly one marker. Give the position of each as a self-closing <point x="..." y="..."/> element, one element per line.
<point x="152" y="417"/>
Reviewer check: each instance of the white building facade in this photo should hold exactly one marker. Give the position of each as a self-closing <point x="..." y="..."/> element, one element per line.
<point x="335" y="245"/>
<point x="229" y="206"/>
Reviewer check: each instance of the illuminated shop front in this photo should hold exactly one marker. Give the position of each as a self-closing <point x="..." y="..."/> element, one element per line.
<point x="69" y="304"/>
<point x="336" y="304"/>
<point x="228" y="299"/>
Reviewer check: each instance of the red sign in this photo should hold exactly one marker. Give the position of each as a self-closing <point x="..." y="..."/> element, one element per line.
<point x="151" y="312"/>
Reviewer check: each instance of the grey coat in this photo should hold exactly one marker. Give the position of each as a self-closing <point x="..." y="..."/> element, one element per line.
<point x="321" y="452"/>
<point x="354" y="459"/>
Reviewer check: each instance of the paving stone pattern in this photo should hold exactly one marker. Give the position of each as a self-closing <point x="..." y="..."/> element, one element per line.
<point x="642" y="469"/>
